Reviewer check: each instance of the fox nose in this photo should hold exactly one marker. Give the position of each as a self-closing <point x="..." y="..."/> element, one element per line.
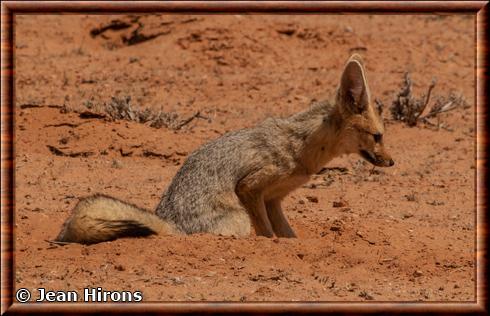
<point x="391" y="162"/>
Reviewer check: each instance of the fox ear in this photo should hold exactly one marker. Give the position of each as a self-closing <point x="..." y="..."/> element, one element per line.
<point x="353" y="91"/>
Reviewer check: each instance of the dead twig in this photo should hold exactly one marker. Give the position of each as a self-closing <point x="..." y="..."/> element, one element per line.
<point x="446" y="104"/>
<point x="32" y="105"/>
<point x="59" y="152"/>
<point x="55" y="242"/>
<point x="188" y="120"/>
<point x="113" y="25"/>
<point x="407" y="108"/>
<point x="73" y="125"/>
<point x="90" y="115"/>
<point x="421" y="110"/>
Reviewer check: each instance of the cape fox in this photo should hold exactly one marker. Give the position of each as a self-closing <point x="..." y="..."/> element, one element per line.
<point x="240" y="178"/>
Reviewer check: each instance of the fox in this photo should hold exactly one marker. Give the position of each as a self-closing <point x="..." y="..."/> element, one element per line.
<point x="238" y="180"/>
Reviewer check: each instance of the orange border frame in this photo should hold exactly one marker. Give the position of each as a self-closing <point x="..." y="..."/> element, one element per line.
<point x="10" y="8"/>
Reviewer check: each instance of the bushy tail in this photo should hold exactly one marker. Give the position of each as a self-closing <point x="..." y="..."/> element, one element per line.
<point x="100" y="218"/>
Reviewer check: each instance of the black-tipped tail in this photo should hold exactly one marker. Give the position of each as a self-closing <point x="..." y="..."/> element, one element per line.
<point x="101" y="218"/>
<point x="127" y="228"/>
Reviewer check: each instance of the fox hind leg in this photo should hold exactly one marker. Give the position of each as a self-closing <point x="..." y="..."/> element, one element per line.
<point x="237" y="214"/>
<point x="236" y="222"/>
<point x="227" y="216"/>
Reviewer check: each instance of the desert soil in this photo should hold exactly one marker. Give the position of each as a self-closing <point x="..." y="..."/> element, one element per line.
<point x="405" y="233"/>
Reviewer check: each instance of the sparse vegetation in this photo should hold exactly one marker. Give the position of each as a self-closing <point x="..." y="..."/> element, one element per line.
<point x="409" y="109"/>
<point x="121" y="109"/>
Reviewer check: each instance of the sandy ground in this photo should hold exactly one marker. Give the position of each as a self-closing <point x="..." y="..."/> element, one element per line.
<point x="406" y="233"/>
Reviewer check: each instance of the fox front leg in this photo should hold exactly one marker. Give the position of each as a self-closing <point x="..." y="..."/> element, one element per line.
<point x="255" y="206"/>
<point x="277" y="219"/>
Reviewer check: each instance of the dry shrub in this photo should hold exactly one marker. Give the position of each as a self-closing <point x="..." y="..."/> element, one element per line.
<point x="121" y="109"/>
<point x="409" y="109"/>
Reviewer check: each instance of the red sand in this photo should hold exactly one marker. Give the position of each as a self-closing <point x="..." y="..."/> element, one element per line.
<point x="408" y="232"/>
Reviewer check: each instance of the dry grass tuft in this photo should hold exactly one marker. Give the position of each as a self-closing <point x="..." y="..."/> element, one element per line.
<point x="121" y="109"/>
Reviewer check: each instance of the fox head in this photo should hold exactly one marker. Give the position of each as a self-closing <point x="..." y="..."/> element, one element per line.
<point x="362" y="125"/>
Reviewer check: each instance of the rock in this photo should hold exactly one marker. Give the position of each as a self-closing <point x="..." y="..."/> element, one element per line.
<point x="119" y="267"/>
<point x="407" y="215"/>
<point x="340" y="203"/>
<point x="312" y="199"/>
<point x="337" y="226"/>
<point x="411" y="197"/>
<point x="286" y="31"/>
<point x="366" y="296"/>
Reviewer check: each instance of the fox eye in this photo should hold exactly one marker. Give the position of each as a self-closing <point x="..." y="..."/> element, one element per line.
<point x="377" y="137"/>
